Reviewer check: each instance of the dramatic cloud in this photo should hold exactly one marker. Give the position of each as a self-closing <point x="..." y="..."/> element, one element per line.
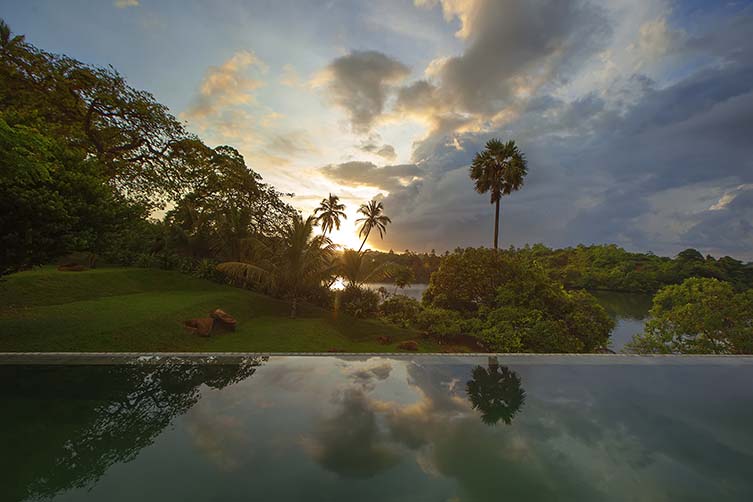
<point x="227" y="85"/>
<point x="387" y="152"/>
<point x="357" y="173"/>
<point x="360" y="83"/>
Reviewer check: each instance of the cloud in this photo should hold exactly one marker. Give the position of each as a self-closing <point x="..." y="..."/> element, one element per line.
<point x="227" y="85"/>
<point x="387" y="152"/>
<point x="359" y="173"/>
<point x="360" y="83"/>
<point x="123" y="4"/>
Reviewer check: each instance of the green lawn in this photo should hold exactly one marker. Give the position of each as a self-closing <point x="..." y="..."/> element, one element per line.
<point x="131" y="309"/>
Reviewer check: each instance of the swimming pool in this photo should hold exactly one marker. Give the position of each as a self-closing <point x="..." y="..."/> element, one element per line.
<point x="368" y="427"/>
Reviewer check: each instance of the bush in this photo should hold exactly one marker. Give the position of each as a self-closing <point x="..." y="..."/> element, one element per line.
<point x="699" y="316"/>
<point x="440" y="323"/>
<point x="400" y="310"/>
<point x="359" y="302"/>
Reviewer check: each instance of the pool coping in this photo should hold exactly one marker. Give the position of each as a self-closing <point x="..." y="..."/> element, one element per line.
<point x="114" y="358"/>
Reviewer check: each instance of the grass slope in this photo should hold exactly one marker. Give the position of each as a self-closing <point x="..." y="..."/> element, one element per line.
<point x="130" y="309"/>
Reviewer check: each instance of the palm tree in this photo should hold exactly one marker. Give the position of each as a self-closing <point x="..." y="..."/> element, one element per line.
<point x="499" y="169"/>
<point x="495" y="392"/>
<point x="374" y="217"/>
<point x="356" y="271"/>
<point x="294" y="265"/>
<point x="331" y="211"/>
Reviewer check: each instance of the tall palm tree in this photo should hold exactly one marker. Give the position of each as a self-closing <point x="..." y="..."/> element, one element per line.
<point x="329" y="212"/>
<point x="373" y="217"/>
<point x="500" y="170"/>
<point x="294" y="266"/>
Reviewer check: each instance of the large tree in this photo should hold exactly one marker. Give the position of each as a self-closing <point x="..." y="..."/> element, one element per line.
<point x="373" y="217"/>
<point x="329" y="213"/>
<point x="500" y="170"/>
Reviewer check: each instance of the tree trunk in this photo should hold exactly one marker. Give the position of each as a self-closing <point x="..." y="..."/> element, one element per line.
<point x="364" y="241"/>
<point x="294" y="307"/>
<point x="496" y="225"/>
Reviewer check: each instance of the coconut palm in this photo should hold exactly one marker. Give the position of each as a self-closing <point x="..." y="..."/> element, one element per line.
<point x="495" y="392"/>
<point x="500" y="170"/>
<point x="293" y="266"/>
<point x="329" y="212"/>
<point x="373" y="217"/>
<point x="356" y="269"/>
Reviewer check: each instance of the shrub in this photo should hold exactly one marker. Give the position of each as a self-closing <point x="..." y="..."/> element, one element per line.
<point x="699" y="316"/>
<point x="359" y="302"/>
<point x="400" y="310"/>
<point x="440" y="323"/>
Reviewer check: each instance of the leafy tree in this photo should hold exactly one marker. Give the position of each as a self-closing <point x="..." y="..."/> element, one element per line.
<point x="293" y="266"/>
<point x="373" y="217"/>
<point x="690" y="254"/>
<point x="496" y="392"/>
<point x="402" y="276"/>
<point x="699" y="316"/>
<point x="499" y="169"/>
<point x="510" y="304"/>
<point x="329" y="212"/>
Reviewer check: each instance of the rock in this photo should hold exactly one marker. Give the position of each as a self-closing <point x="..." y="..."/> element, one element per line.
<point x="223" y="319"/>
<point x="201" y="326"/>
<point x="384" y="340"/>
<point x="408" y="345"/>
<point x="71" y="267"/>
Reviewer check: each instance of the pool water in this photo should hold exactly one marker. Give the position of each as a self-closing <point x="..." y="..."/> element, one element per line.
<point x="432" y="428"/>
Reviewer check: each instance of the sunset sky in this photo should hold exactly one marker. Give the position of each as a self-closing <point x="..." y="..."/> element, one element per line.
<point x="636" y="116"/>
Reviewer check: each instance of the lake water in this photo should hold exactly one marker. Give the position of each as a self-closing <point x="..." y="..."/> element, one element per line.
<point x="580" y="428"/>
<point x="628" y="309"/>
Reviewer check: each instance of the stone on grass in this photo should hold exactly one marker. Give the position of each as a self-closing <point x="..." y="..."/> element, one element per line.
<point x="223" y="319"/>
<point x="411" y="345"/>
<point x="201" y="326"/>
<point x="384" y="340"/>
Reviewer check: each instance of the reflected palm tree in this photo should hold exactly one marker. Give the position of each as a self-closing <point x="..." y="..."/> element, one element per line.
<point x="495" y="392"/>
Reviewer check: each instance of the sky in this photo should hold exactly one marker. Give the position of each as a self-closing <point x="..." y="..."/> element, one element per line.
<point x="636" y="116"/>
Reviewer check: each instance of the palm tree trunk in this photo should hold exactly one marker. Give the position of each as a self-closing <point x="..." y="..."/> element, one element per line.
<point x="496" y="225"/>
<point x="364" y="241"/>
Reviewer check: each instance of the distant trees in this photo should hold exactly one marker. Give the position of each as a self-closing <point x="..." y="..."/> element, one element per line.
<point x="499" y="169"/>
<point x="699" y="316"/>
<point x="373" y="218"/>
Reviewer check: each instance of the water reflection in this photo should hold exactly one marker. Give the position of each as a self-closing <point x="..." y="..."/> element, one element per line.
<point x="69" y="424"/>
<point x="376" y="428"/>
<point x="495" y="392"/>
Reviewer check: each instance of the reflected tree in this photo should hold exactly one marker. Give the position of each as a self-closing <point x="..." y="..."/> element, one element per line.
<point x="80" y="420"/>
<point x="495" y="392"/>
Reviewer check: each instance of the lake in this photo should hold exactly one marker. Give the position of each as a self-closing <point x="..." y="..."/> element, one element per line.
<point x="629" y="310"/>
<point x="581" y="428"/>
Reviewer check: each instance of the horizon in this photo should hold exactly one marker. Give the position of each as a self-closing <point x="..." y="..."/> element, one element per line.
<point x="391" y="101"/>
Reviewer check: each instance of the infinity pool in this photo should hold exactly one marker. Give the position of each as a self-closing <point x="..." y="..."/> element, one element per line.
<point x="378" y="428"/>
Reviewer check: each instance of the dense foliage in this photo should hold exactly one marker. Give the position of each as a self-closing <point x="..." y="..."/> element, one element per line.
<point x="511" y="305"/>
<point x="699" y="316"/>
<point x="85" y="159"/>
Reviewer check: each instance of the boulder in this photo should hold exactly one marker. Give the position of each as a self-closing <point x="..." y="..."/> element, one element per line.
<point x="201" y="326"/>
<point x="384" y="340"/>
<point x="408" y="345"/>
<point x="71" y="267"/>
<point x="223" y="319"/>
